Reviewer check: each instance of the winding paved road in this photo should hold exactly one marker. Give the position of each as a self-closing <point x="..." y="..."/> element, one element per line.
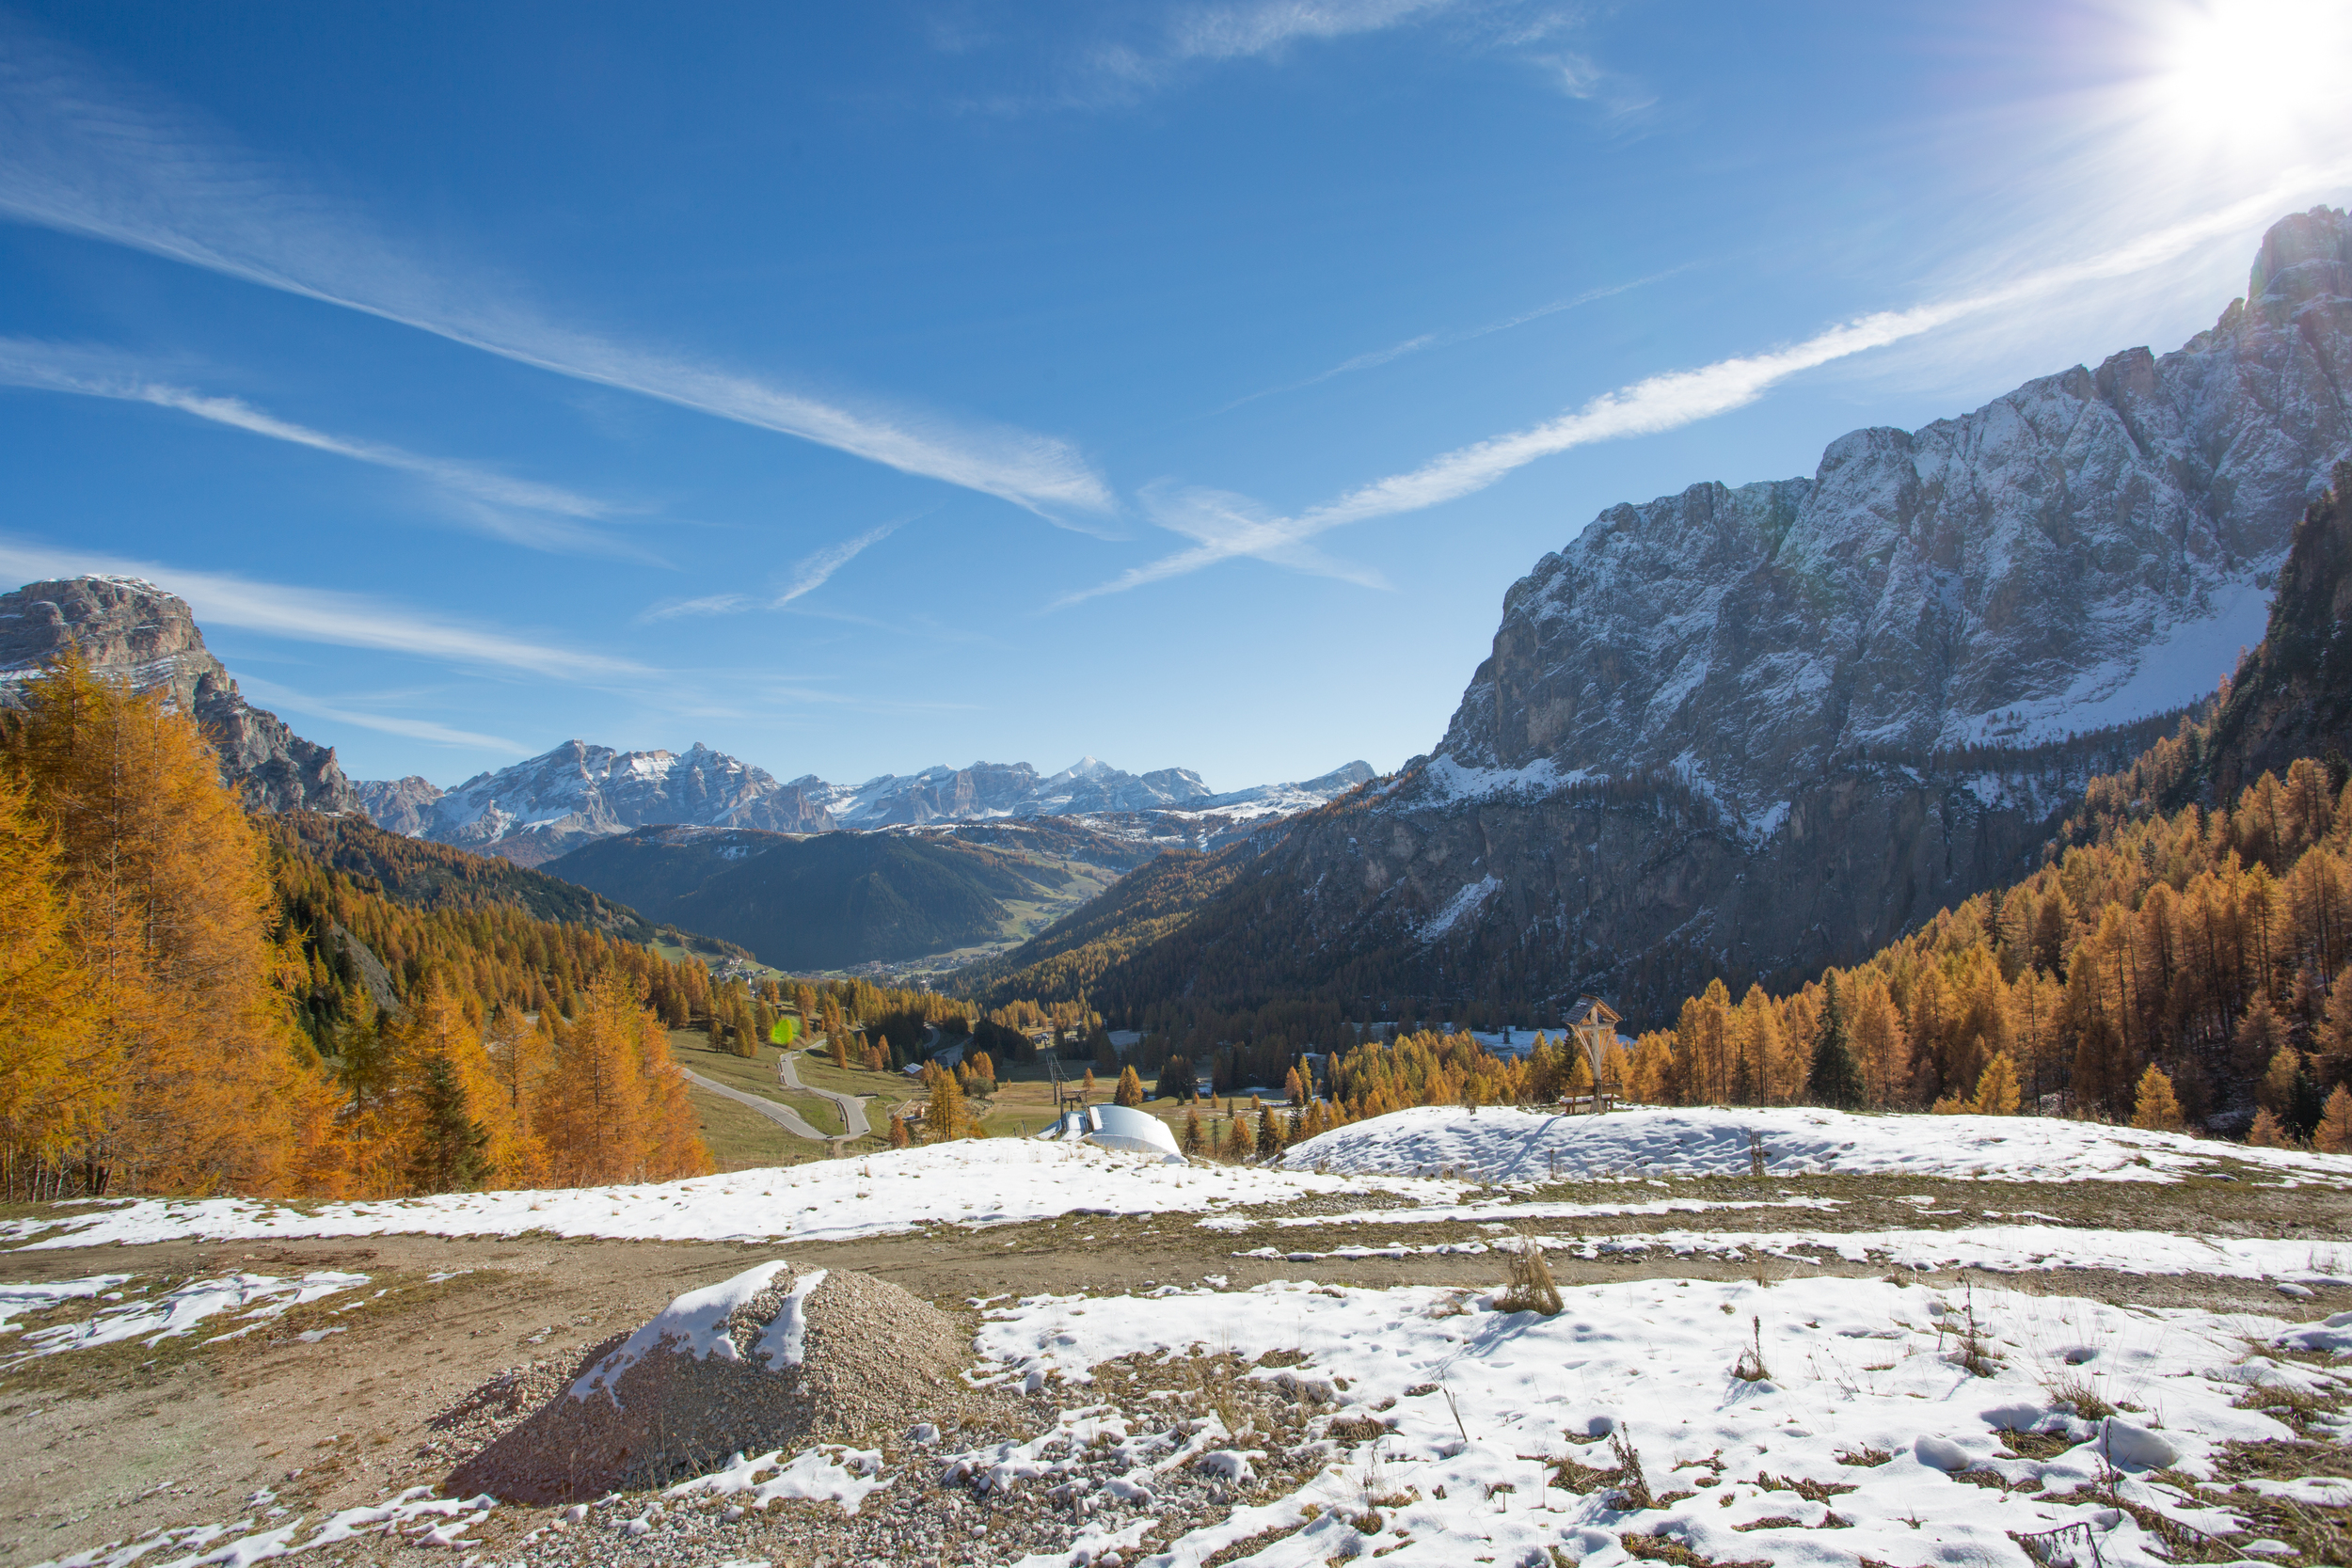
<point x="852" y="1110"/>
<point x="783" y="1116"/>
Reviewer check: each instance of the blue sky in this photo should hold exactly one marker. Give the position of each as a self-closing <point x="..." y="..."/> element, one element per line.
<point x="855" y="389"/>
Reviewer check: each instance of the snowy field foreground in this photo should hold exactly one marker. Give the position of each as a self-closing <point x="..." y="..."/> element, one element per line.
<point x="1819" y="1421"/>
<point x="982" y="1181"/>
<point x="1504" y="1145"/>
<point x="2304" y="1263"/>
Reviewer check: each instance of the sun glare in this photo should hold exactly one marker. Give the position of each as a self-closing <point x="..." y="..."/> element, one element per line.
<point x="2263" y="76"/>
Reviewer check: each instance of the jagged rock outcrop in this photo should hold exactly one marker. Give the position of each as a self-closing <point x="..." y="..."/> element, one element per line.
<point x="403" y="806"/>
<point x="1750" y="732"/>
<point x="2293" y="698"/>
<point x="134" y="631"/>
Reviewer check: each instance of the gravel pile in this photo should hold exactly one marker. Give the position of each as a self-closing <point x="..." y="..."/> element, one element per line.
<point x="773" y="1358"/>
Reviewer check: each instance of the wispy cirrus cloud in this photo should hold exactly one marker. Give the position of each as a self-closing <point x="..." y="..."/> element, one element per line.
<point x="269" y="695"/>
<point x="558" y="516"/>
<point x="82" y="157"/>
<point x="810" y="573"/>
<point x="1447" y="340"/>
<point x="1108" y="73"/>
<point x="1658" y="403"/>
<point x="330" y="616"/>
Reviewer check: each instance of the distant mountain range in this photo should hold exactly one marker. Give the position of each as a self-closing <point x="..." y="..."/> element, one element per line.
<point x="551" y="804"/>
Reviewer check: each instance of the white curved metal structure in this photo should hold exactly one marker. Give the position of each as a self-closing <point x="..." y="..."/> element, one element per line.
<point x="1116" y="1127"/>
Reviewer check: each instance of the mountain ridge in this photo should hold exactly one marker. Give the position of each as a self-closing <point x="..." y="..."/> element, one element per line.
<point x="1752" y="731"/>
<point x="131" y="631"/>
<point x="550" y="805"/>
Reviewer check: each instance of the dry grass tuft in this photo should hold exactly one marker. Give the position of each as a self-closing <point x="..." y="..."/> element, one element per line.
<point x="2070" y="1388"/>
<point x="1532" y="1287"/>
<point x="1749" y="1368"/>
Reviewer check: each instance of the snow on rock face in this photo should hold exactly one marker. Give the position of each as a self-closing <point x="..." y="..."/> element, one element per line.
<point x="1863" y="1395"/>
<point x="974" y="1183"/>
<point x="1506" y="1145"/>
<point x="578" y="791"/>
<point x="2085" y="550"/>
<point x="539" y="808"/>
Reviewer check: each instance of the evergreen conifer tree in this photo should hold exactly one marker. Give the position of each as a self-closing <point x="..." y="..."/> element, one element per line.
<point x="450" y="1151"/>
<point x="1835" y="1079"/>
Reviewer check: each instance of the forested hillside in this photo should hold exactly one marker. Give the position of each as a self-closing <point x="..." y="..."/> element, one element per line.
<point x="1064" y="961"/>
<point x="834" y="900"/>
<point x="192" y="1005"/>
<point x="435" y="876"/>
<point x="2186" y="926"/>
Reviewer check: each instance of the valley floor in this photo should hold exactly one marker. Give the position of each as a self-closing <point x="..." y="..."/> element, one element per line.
<point x="1283" y="1367"/>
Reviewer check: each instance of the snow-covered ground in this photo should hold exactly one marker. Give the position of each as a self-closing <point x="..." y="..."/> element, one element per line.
<point x="1504" y="1145"/>
<point x="1861" y="1399"/>
<point x="2302" y="1264"/>
<point x="980" y="1181"/>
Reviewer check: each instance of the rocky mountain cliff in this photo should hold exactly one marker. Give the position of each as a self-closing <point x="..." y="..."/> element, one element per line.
<point x="2293" y="697"/>
<point x="1752" y="732"/>
<point x="556" y="802"/>
<point x="133" y="630"/>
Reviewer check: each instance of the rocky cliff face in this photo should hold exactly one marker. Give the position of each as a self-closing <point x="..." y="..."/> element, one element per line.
<point x="1749" y="731"/>
<point x="134" y="631"/>
<point x="2293" y="698"/>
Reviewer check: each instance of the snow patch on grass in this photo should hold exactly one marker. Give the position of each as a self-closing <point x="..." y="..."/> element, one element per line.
<point x="1507" y="1145"/>
<point x="979" y="1182"/>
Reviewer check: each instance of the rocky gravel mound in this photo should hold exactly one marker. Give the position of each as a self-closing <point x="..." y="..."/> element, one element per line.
<point x="775" y="1357"/>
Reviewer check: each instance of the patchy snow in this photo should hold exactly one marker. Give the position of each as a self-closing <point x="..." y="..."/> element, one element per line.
<point x="252" y="1299"/>
<point x="786" y="1339"/>
<point x="696" y="1324"/>
<point x="1460" y="907"/>
<point x="16" y="1301"/>
<point x="1861" y="1395"/>
<point x="2183" y="662"/>
<point x="977" y="1183"/>
<point x="1504" y="1145"/>
<point x="1999" y="1248"/>
<point x="829" y="1474"/>
<point x="408" y="1517"/>
<point x="1448" y="780"/>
